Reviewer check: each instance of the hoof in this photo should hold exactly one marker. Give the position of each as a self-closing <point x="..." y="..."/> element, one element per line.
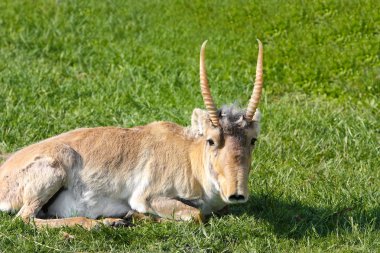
<point x="112" y="222"/>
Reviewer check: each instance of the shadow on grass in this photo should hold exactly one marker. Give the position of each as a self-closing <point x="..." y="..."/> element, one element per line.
<point x="292" y="219"/>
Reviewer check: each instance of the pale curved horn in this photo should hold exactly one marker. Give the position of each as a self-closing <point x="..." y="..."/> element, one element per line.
<point x="205" y="88"/>
<point x="258" y="86"/>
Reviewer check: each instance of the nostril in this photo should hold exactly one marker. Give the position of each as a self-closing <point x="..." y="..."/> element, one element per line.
<point x="236" y="197"/>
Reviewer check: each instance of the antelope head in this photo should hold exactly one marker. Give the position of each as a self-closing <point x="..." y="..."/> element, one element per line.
<point x="229" y="135"/>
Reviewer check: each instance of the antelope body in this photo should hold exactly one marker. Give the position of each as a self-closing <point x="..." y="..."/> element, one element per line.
<point x="163" y="169"/>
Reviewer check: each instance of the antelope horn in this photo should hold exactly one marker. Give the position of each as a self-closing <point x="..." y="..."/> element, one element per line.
<point x="205" y="88"/>
<point x="258" y="86"/>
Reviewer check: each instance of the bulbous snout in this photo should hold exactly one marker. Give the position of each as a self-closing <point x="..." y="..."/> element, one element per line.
<point x="234" y="185"/>
<point x="233" y="168"/>
<point x="237" y="198"/>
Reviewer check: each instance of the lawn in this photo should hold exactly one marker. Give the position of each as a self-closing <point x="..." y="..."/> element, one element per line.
<point x="315" y="183"/>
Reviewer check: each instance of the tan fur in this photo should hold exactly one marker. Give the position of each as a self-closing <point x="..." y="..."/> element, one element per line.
<point x="173" y="161"/>
<point x="162" y="169"/>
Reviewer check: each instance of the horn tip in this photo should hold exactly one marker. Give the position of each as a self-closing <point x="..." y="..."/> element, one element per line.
<point x="259" y="41"/>
<point x="204" y="43"/>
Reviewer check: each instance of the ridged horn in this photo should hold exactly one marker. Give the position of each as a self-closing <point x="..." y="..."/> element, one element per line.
<point x="258" y="86"/>
<point x="205" y="88"/>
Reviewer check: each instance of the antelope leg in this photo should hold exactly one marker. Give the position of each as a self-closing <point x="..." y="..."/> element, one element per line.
<point x="174" y="209"/>
<point x="81" y="221"/>
<point x="134" y="215"/>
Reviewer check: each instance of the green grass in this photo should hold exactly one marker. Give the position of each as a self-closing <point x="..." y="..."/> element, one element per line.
<point x="315" y="184"/>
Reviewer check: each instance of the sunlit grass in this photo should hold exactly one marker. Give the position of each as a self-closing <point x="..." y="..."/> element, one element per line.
<point x="315" y="184"/>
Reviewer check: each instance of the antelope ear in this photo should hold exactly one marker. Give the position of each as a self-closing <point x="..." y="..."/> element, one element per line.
<point x="256" y="122"/>
<point x="257" y="116"/>
<point x="198" y="121"/>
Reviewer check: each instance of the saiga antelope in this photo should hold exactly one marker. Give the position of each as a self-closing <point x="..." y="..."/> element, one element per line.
<point x="162" y="168"/>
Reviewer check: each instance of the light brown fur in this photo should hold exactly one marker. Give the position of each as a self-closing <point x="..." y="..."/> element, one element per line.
<point x="104" y="159"/>
<point x="163" y="169"/>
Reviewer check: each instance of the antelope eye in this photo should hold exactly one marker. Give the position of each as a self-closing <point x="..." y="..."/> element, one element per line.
<point x="210" y="142"/>
<point x="253" y="141"/>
